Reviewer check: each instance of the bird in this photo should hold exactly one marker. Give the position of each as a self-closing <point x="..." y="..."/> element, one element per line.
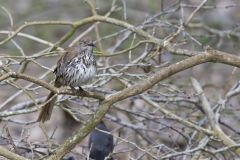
<point x="76" y="67"/>
<point x="100" y="143"/>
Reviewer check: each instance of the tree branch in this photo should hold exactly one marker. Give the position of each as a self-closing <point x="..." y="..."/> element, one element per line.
<point x="10" y="155"/>
<point x="208" y="56"/>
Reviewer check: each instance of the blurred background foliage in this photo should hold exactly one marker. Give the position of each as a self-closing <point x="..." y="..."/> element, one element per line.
<point x="216" y="24"/>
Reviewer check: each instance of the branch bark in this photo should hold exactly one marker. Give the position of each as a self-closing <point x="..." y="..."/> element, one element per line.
<point x="10" y="155"/>
<point x="208" y="56"/>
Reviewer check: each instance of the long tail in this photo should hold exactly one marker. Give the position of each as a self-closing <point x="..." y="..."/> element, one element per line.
<point x="46" y="111"/>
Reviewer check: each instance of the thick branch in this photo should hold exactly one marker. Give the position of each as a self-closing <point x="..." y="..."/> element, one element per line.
<point x="51" y="87"/>
<point x="209" y="56"/>
<point x="10" y="155"/>
<point x="211" y="117"/>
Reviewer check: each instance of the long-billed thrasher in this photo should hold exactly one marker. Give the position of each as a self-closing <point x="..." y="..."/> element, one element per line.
<point x="75" y="68"/>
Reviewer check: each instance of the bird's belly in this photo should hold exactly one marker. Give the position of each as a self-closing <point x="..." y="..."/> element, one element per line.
<point x="76" y="77"/>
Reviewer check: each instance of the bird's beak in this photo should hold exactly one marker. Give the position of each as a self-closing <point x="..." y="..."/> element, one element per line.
<point x="93" y="45"/>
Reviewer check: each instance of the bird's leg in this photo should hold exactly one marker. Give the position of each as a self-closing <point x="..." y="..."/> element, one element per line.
<point x="80" y="89"/>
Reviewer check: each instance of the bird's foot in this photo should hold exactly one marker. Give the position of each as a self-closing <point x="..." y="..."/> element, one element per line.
<point x="78" y="91"/>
